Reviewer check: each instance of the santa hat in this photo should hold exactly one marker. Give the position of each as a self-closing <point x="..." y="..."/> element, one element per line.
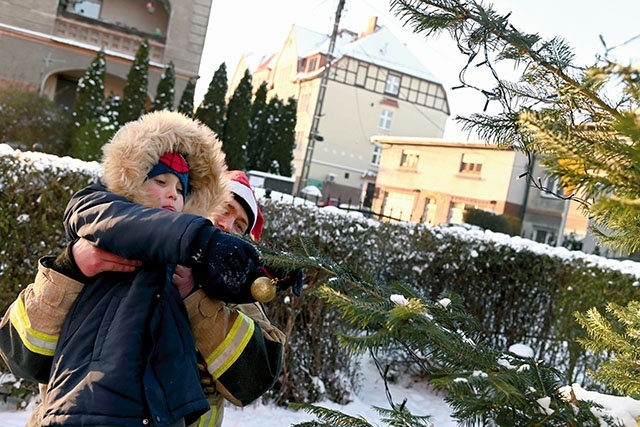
<point x="175" y="163"/>
<point x="243" y="194"/>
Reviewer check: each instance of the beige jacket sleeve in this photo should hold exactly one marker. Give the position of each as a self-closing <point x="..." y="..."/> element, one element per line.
<point x="241" y="348"/>
<point x="30" y="329"/>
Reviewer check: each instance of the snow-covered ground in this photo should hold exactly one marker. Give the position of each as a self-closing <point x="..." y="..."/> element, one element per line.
<point x="421" y="400"/>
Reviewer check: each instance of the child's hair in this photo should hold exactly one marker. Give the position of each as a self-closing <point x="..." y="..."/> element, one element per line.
<point x="137" y="147"/>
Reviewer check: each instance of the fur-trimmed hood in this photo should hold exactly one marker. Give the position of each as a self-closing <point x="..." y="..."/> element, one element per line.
<point x="138" y="145"/>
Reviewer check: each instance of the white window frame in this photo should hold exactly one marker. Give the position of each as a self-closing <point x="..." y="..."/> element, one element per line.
<point x="552" y="184"/>
<point x="471" y="163"/>
<point x="392" y="86"/>
<point x="386" y="117"/>
<point x="376" y="155"/>
<point x="409" y="159"/>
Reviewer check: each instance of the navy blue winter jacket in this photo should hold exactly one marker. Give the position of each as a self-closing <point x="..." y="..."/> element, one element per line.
<point x="126" y="354"/>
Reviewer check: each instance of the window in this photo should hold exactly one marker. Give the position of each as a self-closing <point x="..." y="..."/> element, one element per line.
<point x="550" y="187"/>
<point x="471" y="163"/>
<point x="393" y="84"/>
<point x="375" y="157"/>
<point x="409" y="159"/>
<point x="544" y="236"/>
<point x="303" y="104"/>
<point x="429" y="211"/>
<point x="456" y="213"/>
<point x="284" y="76"/>
<point x="312" y="64"/>
<point x="90" y="9"/>
<point x="398" y="206"/>
<point x="361" y="75"/>
<point x="386" y="116"/>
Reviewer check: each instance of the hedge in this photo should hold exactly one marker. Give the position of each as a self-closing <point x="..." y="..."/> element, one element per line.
<point x="519" y="294"/>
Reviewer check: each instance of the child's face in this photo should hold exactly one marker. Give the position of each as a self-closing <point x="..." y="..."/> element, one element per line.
<point x="233" y="219"/>
<point x="165" y="191"/>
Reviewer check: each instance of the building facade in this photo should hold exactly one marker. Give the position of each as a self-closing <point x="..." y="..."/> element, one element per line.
<point x="433" y="181"/>
<point x="47" y="45"/>
<point x="374" y="86"/>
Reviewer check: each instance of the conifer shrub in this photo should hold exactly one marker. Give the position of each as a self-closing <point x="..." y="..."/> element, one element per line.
<point x="29" y="121"/>
<point x="507" y="224"/>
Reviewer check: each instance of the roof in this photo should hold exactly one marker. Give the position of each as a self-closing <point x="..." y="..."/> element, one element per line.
<point x="380" y="47"/>
<point x="434" y="142"/>
<point x="384" y="49"/>
<point x="309" y="41"/>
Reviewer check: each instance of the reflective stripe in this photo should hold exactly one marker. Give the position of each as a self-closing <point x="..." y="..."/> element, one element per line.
<point x="209" y="418"/>
<point x="230" y="349"/>
<point x="36" y="341"/>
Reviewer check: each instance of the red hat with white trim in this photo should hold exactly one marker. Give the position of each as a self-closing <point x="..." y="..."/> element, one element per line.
<point x="243" y="194"/>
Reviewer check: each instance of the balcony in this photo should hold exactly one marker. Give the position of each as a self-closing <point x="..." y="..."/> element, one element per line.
<point x="109" y="36"/>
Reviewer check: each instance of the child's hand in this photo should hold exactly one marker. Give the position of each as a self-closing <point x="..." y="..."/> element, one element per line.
<point x="225" y="265"/>
<point x="183" y="280"/>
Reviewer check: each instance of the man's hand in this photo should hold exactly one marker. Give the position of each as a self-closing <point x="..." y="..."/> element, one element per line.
<point x="92" y="260"/>
<point x="183" y="280"/>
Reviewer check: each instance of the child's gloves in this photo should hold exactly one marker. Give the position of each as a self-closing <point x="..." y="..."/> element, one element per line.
<point x="225" y="265"/>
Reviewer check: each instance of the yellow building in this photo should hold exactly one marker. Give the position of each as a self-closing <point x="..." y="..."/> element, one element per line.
<point x="46" y="45"/>
<point x="433" y="181"/>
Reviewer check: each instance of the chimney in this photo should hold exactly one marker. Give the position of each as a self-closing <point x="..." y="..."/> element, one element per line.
<point x="372" y="26"/>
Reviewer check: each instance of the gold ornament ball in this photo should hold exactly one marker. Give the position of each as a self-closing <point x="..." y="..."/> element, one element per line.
<point x="263" y="289"/>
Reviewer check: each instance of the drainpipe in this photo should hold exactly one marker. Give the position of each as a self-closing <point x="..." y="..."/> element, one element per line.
<point x="525" y="199"/>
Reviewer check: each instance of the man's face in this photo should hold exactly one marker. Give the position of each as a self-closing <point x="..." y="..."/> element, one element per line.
<point x="233" y="219"/>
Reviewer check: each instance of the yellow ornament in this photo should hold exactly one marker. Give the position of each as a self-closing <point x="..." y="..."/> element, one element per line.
<point x="263" y="289"/>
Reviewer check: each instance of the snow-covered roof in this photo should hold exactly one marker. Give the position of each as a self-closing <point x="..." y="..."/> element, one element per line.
<point x="256" y="61"/>
<point x="309" y="41"/>
<point x="381" y="48"/>
<point x="384" y="49"/>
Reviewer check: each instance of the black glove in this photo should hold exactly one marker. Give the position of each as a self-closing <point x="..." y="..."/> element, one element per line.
<point x="286" y="279"/>
<point x="225" y="266"/>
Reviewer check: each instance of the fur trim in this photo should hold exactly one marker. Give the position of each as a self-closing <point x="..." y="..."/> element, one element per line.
<point x="138" y="145"/>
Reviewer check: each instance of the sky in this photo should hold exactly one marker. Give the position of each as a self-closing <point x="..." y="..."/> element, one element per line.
<point x="256" y="26"/>
<point x="421" y="399"/>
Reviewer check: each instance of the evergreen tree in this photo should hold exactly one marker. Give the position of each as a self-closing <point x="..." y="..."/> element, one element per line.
<point x="257" y="142"/>
<point x="100" y="130"/>
<point x="271" y="135"/>
<point x="165" y="93"/>
<point x="185" y="105"/>
<point x="88" y="109"/>
<point x="237" y="126"/>
<point x="213" y="109"/>
<point x="615" y="333"/>
<point x="281" y="152"/>
<point x="134" y="97"/>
